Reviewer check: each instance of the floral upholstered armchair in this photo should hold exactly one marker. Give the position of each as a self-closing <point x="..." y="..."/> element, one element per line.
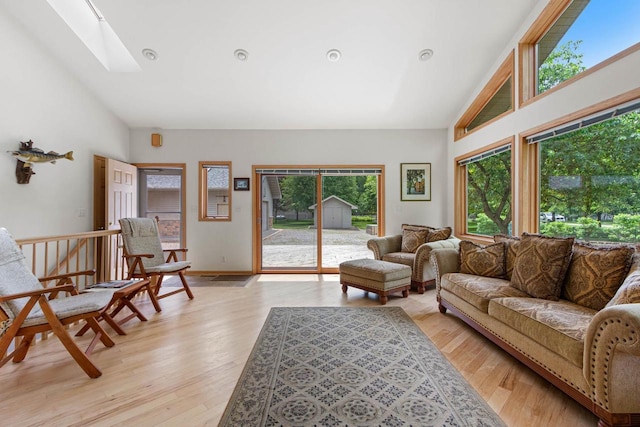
<point x="413" y="248"/>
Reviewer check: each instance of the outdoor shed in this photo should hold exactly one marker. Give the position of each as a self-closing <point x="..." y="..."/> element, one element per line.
<point x="336" y="213"/>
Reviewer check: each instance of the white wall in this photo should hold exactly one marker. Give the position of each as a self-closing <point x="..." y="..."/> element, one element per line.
<point x="209" y="241"/>
<point x="40" y="101"/>
<point x="613" y="80"/>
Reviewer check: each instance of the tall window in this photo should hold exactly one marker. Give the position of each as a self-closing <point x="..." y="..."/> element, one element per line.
<point x="485" y="179"/>
<point x="494" y="101"/>
<point x="590" y="177"/>
<point x="215" y="191"/>
<point x="571" y="37"/>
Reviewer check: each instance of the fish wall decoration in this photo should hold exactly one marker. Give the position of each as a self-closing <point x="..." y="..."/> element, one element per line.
<point x="27" y="155"/>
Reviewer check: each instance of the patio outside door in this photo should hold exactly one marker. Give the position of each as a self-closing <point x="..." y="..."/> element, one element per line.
<point x="288" y="240"/>
<point x="297" y="208"/>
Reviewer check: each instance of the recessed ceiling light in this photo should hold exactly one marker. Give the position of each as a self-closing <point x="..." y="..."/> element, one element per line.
<point x="334" y="55"/>
<point x="425" y="54"/>
<point x="241" y="54"/>
<point x="150" y="54"/>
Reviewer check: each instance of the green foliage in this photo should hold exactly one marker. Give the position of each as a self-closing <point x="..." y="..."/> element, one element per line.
<point x="486" y="226"/>
<point x="562" y="63"/>
<point x="590" y="229"/>
<point x="368" y="200"/>
<point x="361" y="221"/>
<point x="298" y="192"/>
<point x="489" y="190"/>
<point x="557" y="229"/>
<point x="344" y="187"/>
<point x="626" y="228"/>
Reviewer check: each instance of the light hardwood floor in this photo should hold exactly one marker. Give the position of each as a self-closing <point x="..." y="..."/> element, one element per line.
<point x="180" y="367"/>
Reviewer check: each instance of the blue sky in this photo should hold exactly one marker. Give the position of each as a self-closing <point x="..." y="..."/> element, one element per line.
<point x="606" y="28"/>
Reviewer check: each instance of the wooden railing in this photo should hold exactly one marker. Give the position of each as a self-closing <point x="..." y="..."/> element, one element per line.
<point x="95" y="250"/>
<point x="99" y="251"/>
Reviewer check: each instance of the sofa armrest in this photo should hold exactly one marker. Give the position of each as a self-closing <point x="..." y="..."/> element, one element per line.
<point x="444" y="261"/>
<point x="421" y="261"/>
<point x="612" y="358"/>
<point x="385" y="245"/>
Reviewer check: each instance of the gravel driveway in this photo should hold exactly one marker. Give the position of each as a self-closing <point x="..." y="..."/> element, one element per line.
<point x="308" y="237"/>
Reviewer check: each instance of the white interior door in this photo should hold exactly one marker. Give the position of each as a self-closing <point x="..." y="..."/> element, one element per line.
<point x="121" y="192"/>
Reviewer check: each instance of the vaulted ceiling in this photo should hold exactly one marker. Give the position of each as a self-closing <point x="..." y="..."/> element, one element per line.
<point x="287" y="82"/>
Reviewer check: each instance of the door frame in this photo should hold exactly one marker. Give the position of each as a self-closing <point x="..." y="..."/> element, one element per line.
<point x="256" y="214"/>
<point x="183" y="196"/>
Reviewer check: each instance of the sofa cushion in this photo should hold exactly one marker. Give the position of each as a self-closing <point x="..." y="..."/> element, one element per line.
<point x="487" y="261"/>
<point x="560" y="325"/>
<point x="629" y="292"/>
<point x="512" y="243"/>
<point x="413" y="236"/>
<point x="478" y="291"/>
<point x="595" y="273"/>
<point x="435" y="235"/>
<point x="541" y="264"/>
<point x="405" y="258"/>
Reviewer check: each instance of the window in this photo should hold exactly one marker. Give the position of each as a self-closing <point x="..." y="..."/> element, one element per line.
<point x="571" y="37"/>
<point x="589" y="176"/>
<point x="484" y="181"/>
<point x="494" y="101"/>
<point x="215" y="191"/>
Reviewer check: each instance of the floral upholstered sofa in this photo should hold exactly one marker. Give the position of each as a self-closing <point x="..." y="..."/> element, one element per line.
<point x="568" y="310"/>
<point x="413" y="248"/>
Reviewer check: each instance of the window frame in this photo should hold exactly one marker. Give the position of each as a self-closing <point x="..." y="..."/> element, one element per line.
<point x="527" y="67"/>
<point x="203" y="199"/>
<point x="499" y="78"/>
<point x="529" y="172"/>
<point x="460" y="191"/>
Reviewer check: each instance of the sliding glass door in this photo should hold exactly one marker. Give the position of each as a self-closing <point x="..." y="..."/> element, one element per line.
<point x="297" y="208"/>
<point x="288" y="238"/>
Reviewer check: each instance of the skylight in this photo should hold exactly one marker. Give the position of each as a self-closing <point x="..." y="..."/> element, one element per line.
<point x="86" y="21"/>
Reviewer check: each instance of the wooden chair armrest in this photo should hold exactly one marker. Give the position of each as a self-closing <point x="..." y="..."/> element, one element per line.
<point x="67" y="275"/>
<point x="38" y="292"/>
<point x="176" y="250"/>
<point x="138" y="256"/>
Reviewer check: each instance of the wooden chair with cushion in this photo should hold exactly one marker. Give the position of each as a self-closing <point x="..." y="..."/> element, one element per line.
<point x="27" y="308"/>
<point x="145" y="256"/>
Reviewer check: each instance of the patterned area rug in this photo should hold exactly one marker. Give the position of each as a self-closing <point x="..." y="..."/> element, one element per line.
<point x="342" y="366"/>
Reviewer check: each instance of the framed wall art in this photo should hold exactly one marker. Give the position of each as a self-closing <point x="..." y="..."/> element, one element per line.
<point x="415" y="181"/>
<point x="241" y="184"/>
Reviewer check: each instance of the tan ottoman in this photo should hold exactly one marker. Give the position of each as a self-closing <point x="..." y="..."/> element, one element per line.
<point x="379" y="277"/>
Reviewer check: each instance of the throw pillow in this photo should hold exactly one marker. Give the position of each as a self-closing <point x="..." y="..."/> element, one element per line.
<point x="541" y="264"/>
<point x="481" y="260"/>
<point x="412" y="237"/>
<point x="629" y="292"/>
<point x="595" y="274"/>
<point x="512" y="243"/>
<point x="438" y="234"/>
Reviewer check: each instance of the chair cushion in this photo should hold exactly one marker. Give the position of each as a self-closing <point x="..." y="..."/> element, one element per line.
<point x="541" y="265"/>
<point x="413" y="236"/>
<point x="405" y="258"/>
<point x="169" y="267"/>
<point x="478" y="291"/>
<point x="558" y="325"/>
<point x="140" y="236"/>
<point x="595" y="274"/>
<point x="481" y="260"/>
<point x="70" y="306"/>
<point x="15" y="275"/>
